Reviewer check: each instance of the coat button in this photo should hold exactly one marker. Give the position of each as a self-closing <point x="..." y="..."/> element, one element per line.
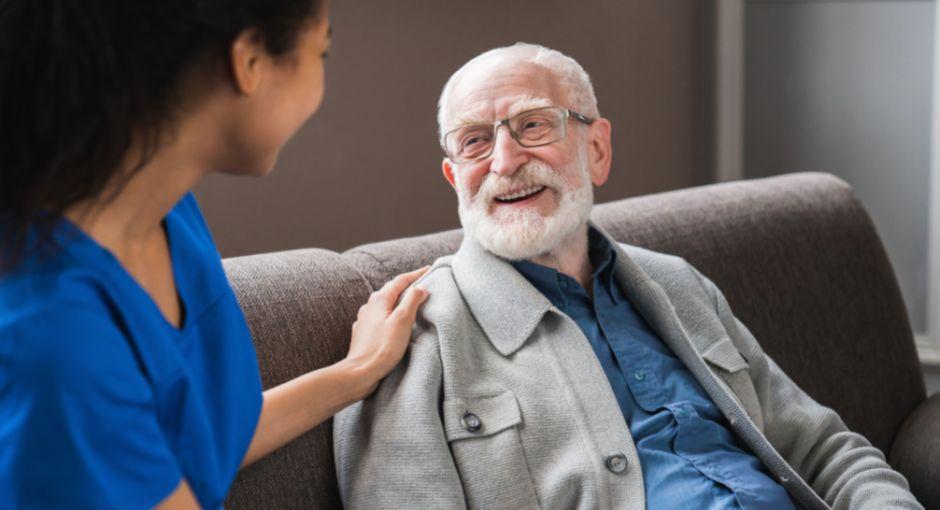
<point x="471" y="422"/>
<point x="617" y="463"/>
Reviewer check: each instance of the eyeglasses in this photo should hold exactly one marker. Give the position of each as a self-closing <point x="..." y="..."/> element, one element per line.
<point x="531" y="128"/>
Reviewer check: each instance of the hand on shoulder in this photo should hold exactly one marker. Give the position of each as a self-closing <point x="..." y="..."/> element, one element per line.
<point x="383" y="326"/>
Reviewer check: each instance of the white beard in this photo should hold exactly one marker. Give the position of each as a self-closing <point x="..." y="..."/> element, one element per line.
<point x="526" y="233"/>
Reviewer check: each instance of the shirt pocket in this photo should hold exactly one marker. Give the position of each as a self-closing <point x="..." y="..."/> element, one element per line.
<point x="484" y="437"/>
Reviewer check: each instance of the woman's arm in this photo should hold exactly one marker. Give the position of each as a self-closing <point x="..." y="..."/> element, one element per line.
<point x="181" y="499"/>
<point x="380" y="338"/>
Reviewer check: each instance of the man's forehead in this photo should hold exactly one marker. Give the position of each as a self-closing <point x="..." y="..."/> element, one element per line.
<point x="501" y="89"/>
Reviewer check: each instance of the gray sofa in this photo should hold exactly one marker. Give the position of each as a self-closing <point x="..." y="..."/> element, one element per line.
<point x="797" y="257"/>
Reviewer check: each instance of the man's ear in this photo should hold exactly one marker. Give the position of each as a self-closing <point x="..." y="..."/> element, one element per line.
<point x="247" y="58"/>
<point x="599" y="151"/>
<point x="447" y="168"/>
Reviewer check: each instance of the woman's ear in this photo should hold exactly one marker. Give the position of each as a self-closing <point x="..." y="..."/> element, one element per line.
<point x="248" y="60"/>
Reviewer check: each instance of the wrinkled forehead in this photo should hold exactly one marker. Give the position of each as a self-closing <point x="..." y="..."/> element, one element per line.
<point x="500" y="88"/>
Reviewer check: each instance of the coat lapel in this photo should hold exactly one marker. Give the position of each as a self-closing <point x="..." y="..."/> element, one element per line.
<point x="654" y="305"/>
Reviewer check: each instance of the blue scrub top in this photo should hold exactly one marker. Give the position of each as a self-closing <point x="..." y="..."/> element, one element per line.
<point x="103" y="403"/>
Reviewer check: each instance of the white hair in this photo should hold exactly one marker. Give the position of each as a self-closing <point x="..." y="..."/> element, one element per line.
<point x="567" y="70"/>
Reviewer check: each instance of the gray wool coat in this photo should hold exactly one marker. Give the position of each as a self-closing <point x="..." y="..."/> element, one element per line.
<point x="501" y="402"/>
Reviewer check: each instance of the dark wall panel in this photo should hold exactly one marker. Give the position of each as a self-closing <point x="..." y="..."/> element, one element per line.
<point x="845" y="87"/>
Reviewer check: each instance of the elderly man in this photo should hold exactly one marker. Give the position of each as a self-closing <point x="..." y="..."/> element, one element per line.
<point x="553" y="368"/>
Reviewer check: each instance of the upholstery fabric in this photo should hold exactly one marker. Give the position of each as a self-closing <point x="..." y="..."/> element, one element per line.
<point x="300" y="306"/>
<point x="378" y="262"/>
<point x="796" y="256"/>
<point x="916" y="451"/>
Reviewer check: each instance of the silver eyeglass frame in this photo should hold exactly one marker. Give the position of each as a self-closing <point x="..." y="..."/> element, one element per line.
<point x="568" y="113"/>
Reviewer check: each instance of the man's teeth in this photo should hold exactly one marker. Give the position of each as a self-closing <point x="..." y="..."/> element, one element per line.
<point x="521" y="194"/>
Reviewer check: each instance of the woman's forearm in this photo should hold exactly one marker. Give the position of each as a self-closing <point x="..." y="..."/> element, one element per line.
<point x="380" y="337"/>
<point x="300" y="404"/>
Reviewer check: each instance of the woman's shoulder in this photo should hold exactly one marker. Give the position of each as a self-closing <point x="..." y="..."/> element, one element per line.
<point x="55" y="309"/>
<point x="76" y="396"/>
<point x="49" y="351"/>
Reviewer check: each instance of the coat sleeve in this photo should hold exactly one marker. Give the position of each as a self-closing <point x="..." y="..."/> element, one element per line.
<point x="391" y="451"/>
<point x="841" y="466"/>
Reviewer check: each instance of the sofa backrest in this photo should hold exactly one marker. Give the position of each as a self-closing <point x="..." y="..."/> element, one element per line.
<point x="300" y="306"/>
<point x="796" y="256"/>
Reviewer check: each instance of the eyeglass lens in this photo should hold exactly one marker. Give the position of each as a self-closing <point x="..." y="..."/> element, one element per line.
<point x="531" y="128"/>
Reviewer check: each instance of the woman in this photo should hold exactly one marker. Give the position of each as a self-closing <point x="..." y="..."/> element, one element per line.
<point x="127" y="374"/>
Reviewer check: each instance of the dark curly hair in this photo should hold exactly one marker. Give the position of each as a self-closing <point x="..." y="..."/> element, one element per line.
<point x="79" y="77"/>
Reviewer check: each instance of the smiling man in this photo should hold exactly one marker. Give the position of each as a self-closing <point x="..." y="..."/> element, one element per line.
<point x="553" y="368"/>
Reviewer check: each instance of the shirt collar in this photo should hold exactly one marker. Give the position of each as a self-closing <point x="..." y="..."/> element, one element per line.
<point x="556" y="285"/>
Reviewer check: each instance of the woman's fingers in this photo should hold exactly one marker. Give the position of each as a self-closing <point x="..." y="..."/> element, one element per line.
<point x="382" y="331"/>
<point x="390" y="292"/>
<point x="407" y="309"/>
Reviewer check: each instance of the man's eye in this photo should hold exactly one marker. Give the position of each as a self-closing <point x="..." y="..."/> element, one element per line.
<point x="535" y="124"/>
<point x="472" y="140"/>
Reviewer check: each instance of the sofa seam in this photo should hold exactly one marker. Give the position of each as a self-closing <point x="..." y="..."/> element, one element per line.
<point x="356" y="268"/>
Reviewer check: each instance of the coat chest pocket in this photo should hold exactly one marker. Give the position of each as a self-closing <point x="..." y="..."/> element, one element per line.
<point x="483" y="435"/>
<point x="724" y="355"/>
<point x="732" y="369"/>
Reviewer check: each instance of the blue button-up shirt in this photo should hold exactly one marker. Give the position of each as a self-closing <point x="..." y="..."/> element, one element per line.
<point x="689" y="457"/>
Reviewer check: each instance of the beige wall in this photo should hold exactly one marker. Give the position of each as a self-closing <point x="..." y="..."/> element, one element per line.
<point x="367" y="166"/>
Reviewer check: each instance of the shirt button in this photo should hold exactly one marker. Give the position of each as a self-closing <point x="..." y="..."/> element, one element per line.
<point x="617" y="463"/>
<point x="639" y="375"/>
<point x="471" y="422"/>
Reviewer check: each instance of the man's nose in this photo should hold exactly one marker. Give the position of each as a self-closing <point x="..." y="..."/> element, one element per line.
<point x="508" y="155"/>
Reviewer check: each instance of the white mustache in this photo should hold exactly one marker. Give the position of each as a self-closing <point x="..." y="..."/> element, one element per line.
<point x="531" y="174"/>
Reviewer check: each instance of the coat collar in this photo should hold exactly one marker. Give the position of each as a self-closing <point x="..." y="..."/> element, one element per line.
<point x="504" y="303"/>
<point x="508" y="308"/>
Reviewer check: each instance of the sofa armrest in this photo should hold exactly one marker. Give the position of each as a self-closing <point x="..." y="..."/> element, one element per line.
<point x="916" y="451"/>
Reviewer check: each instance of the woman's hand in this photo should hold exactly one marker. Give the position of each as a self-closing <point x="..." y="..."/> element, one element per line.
<point x="382" y="330"/>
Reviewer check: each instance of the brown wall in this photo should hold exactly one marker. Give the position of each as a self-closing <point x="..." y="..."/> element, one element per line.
<point x="366" y="167"/>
